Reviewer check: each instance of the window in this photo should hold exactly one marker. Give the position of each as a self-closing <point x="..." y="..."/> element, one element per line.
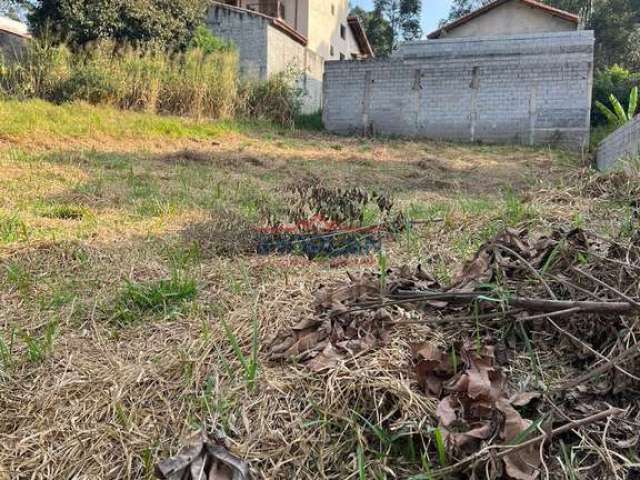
<point x="331" y="51"/>
<point x="282" y="12"/>
<point x="354" y="56"/>
<point x="343" y="32"/>
<point x="342" y="57"/>
<point x="333" y="9"/>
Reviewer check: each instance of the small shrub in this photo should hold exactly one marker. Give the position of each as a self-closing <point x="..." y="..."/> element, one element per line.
<point x="616" y="81"/>
<point x="207" y="42"/>
<point x="277" y="99"/>
<point x="617" y="115"/>
<point x="163" y="296"/>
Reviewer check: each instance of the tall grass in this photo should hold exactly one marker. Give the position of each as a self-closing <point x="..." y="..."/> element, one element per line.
<point x="201" y="82"/>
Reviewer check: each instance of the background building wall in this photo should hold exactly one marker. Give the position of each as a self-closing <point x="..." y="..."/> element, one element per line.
<point x="249" y="34"/>
<point x="325" y="19"/>
<point x="509" y="19"/>
<point x="528" y="89"/>
<point x="621" y="145"/>
<point x="285" y="54"/>
<point x="265" y="51"/>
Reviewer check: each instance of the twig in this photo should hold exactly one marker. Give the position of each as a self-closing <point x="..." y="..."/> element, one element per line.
<point x="607" y="286"/>
<point x="530" y="267"/>
<point x="509" y="449"/>
<point x="534" y="304"/>
<point x="627" y="355"/>
<point x="466" y="318"/>
<point x="592" y="350"/>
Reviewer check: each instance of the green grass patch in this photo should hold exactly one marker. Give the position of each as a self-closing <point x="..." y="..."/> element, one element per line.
<point x="12" y="229"/>
<point x="65" y="212"/>
<point x="166" y="297"/>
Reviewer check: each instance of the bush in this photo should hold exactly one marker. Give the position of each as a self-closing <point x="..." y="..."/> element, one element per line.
<point x="614" y="80"/>
<point x="193" y="83"/>
<point x="200" y="82"/>
<point x="278" y="99"/>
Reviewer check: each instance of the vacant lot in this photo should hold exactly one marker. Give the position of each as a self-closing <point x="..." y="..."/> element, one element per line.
<point x="116" y="284"/>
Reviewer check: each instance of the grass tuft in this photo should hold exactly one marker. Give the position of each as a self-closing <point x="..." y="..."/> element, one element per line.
<point x="165" y="296"/>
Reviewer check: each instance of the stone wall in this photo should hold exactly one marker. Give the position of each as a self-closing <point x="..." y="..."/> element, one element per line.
<point x="528" y="89"/>
<point x="621" y="145"/>
<point x="264" y="50"/>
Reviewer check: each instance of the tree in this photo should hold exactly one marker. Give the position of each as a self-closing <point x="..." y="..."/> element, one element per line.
<point x="170" y="23"/>
<point x="403" y="17"/>
<point x="378" y="31"/>
<point x="389" y="22"/>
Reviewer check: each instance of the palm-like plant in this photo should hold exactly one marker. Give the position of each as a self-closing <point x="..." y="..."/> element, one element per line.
<point x="618" y="116"/>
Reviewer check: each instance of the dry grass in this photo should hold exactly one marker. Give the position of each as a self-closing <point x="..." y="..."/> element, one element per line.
<point x="108" y="401"/>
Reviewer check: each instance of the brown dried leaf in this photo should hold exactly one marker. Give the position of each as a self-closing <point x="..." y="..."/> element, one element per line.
<point x="475" y="272"/>
<point x="432" y="368"/>
<point x="204" y="457"/>
<point x="521" y="464"/>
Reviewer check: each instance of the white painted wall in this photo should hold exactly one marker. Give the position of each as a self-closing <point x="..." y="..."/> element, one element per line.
<point x="325" y="19"/>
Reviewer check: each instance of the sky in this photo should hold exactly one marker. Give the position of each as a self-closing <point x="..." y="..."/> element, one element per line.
<point x="432" y="11"/>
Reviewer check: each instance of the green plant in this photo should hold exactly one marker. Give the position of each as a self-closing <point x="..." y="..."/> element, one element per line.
<point x="614" y="80"/>
<point x="163" y="296"/>
<point x="12" y="229"/>
<point x="440" y="447"/>
<point x="65" y="212"/>
<point x="309" y="121"/>
<point x="278" y="99"/>
<point x="170" y="24"/>
<point x="619" y="116"/>
<point x="383" y="268"/>
<point x="39" y="347"/>
<point x="18" y="277"/>
<point x="206" y="41"/>
<point x="250" y="364"/>
<point x="6" y="351"/>
<point x="568" y="462"/>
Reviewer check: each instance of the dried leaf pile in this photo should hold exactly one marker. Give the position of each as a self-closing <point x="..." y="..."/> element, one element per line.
<point x="340" y="326"/>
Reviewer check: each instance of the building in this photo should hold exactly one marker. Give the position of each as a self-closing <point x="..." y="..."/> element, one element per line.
<point x="275" y="35"/>
<point x="509" y="17"/>
<point x="514" y="71"/>
<point x="13" y="37"/>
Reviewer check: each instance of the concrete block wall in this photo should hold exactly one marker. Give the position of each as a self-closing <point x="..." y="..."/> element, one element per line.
<point x="249" y="34"/>
<point x="264" y="50"/>
<point x="284" y="53"/>
<point x="621" y="145"/>
<point x="528" y="89"/>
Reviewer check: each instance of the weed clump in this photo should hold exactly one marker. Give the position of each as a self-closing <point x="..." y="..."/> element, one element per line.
<point x="166" y="297"/>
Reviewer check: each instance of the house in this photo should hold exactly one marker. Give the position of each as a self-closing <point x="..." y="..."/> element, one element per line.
<point x="13" y="37"/>
<point x="273" y="36"/>
<point x="508" y="17"/>
<point x="514" y="71"/>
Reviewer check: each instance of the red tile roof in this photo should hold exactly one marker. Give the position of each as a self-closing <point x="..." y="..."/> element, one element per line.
<point x="556" y="12"/>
